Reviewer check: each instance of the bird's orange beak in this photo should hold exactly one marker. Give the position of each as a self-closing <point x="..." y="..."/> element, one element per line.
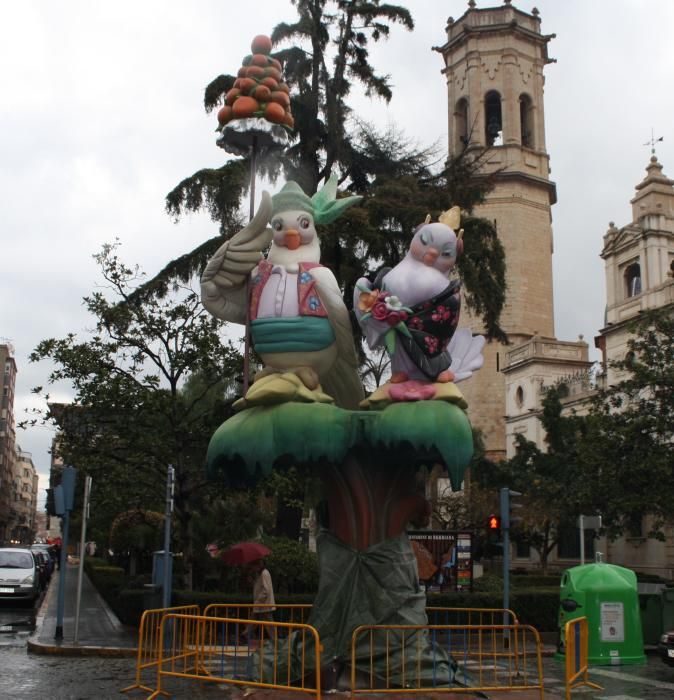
<point x="291" y="239"/>
<point x="430" y="256"/>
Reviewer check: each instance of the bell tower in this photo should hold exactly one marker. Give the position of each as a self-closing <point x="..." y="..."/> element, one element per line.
<point x="494" y="60"/>
<point x="639" y="264"/>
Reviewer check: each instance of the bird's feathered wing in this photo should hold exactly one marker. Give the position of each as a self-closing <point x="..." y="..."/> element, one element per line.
<point x="223" y="282"/>
<point x="466" y="352"/>
<point x="342" y="382"/>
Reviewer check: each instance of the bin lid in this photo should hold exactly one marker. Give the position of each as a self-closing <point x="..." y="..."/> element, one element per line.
<point x="600" y="577"/>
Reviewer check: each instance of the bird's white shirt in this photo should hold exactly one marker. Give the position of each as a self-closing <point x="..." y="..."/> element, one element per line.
<point x="279" y="295"/>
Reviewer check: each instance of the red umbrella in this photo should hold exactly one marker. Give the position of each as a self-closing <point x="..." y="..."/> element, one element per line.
<point x="244" y="553"/>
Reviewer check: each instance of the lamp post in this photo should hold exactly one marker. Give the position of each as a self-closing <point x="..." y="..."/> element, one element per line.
<point x="166" y="589"/>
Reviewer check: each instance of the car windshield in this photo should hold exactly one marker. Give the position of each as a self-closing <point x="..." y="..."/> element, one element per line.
<point x="16" y="560"/>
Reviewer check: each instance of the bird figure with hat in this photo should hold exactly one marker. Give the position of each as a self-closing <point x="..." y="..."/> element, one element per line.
<point x="299" y="324"/>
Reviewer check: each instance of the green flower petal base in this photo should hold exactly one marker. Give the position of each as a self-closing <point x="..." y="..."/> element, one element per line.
<point x="419" y="433"/>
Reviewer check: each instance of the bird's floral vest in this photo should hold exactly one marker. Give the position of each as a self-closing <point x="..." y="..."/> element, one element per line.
<point x="309" y="302"/>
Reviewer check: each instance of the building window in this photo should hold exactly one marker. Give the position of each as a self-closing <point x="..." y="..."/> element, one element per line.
<point x="461" y="124"/>
<point x="633" y="279"/>
<point x="493" y="122"/>
<point x="635" y="526"/>
<point x="526" y="121"/>
<point x="519" y="397"/>
<point x="568" y="544"/>
<point x="522" y="550"/>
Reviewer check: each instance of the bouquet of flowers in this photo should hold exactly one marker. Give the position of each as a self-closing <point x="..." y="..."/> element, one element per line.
<point x="384" y="307"/>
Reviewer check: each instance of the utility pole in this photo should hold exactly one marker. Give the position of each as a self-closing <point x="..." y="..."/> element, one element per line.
<point x="166" y="589"/>
<point x="506" y="520"/>
<point x="64" y="498"/>
<point x="80" y="570"/>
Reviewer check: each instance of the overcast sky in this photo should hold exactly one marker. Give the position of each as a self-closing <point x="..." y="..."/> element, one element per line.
<point x="101" y="115"/>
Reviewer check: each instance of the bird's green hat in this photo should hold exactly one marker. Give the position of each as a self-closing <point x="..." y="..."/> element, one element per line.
<point x="323" y="206"/>
<point x="292" y="198"/>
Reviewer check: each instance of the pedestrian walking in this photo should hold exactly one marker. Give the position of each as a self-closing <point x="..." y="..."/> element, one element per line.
<point x="263" y="600"/>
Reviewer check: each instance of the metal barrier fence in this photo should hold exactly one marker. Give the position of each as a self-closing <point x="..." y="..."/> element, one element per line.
<point x="148" y="642"/>
<point x="471" y="616"/>
<point x="197" y="647"/>
<point x="282" y="613"/>
<point x="575" y="650"/>
<point x="416" y="659"/>
<point x="239" y="636"/>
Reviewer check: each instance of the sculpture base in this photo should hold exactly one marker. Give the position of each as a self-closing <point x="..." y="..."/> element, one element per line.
<point x="378" y="586"/>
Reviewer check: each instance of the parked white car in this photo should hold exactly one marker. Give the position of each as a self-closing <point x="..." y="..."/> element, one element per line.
<point x="19" y="575"/>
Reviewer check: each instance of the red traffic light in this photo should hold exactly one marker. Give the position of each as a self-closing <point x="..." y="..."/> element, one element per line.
<point x="493" y="523"/>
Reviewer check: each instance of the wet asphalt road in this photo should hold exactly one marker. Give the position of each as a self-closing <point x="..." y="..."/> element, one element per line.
<point x="35" y="677"/>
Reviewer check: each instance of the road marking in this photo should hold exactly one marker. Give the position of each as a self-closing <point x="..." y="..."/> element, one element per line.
<point x="631" y="678"/>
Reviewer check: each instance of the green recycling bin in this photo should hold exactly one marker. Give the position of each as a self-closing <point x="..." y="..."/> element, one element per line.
<point x="607" y="596"/>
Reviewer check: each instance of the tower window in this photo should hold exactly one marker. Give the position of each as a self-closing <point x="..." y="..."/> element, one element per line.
<point x="526" y="121"/>
<point x="493" y="119"/>
<point x="633" y="279"/>
<point x="461" y="124"/>
<point x="519" y="397"/>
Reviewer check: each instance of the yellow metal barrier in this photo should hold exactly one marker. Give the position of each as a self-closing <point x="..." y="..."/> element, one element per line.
<point x="412" y="659"/>
<point x="206" y="648"/>
<point x="282" y="613"/>
<point x="471" y="616"/>
<point x="148" y="642"/>
<point x="236" y="639"/>
<point x="575" y="650"/>
<point x="436" y="615"/>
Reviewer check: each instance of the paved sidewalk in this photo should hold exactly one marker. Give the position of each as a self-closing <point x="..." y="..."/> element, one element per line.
<point x="100" y="633"/>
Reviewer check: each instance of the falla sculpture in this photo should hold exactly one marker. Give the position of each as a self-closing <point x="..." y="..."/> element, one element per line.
<point x="307" y="407"/>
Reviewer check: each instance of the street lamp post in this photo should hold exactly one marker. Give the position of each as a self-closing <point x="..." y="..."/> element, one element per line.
<point x="166" y="590"/>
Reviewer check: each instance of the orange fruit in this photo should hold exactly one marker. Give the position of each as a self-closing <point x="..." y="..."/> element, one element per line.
<point x="261" y="44"/>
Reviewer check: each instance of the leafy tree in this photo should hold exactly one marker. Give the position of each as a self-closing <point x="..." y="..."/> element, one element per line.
<point x="330" y="52"/>
<point x="400" y="181"/>
<point x="224" y="519"/>
<point x="293" y="566"/>
<point x="552" y="481"/>
<point x="136" y="533"/>
<point x="133" y="413"/>
<point x="628" y="448"/>
<point x="617" y="460"/>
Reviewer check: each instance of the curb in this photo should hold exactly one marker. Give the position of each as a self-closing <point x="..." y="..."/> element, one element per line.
<point x="80" y="650"/>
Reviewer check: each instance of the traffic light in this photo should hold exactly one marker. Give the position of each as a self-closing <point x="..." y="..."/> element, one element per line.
<point x="508" y="506"/>
<point x="494" y="524"/>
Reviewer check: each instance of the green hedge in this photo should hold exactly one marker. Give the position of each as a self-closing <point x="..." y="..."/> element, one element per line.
<point x="537" y="607"/>
<point x="535" y="580"/>
<point x="112" y="584"/>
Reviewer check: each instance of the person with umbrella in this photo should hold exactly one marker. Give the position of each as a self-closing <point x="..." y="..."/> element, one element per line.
<point x="250" y="555"/>
<point x="263" y="600"/>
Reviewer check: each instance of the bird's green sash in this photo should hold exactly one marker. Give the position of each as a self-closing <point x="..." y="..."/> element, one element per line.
<point x="293" y="334"/>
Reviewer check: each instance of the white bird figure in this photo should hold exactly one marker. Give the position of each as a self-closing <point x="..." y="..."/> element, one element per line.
<point x="299" y="321"/>
<point x="413" y="310"/>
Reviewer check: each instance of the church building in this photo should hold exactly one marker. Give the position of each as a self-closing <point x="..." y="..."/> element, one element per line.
<point x="494" y="67"/>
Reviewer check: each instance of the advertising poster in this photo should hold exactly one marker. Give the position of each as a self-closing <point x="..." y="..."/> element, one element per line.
<point x="444" y="558"/>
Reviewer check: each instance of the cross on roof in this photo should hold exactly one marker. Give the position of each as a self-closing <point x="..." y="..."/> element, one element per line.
<point x="653" y="141"/>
